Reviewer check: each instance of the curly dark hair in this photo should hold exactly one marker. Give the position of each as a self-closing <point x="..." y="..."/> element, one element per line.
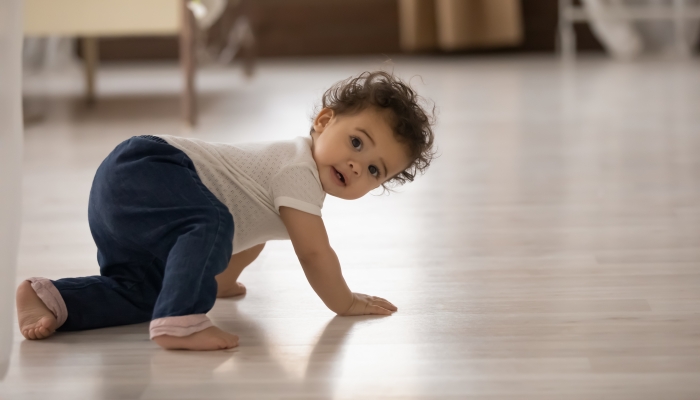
<point x="411" y="124"/>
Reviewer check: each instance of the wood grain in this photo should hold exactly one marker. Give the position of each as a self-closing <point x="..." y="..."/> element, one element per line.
<point x="552" y="251"/>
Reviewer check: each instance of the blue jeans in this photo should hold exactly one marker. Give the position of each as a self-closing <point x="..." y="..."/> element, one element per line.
<point x="161" y="238"/>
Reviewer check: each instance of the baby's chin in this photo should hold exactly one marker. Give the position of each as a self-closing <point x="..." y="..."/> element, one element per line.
<point x="343" y="197"/>
<point x="341" y="194"/>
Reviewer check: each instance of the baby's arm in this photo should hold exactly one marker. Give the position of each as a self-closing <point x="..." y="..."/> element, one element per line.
<point x="322" y="268"/>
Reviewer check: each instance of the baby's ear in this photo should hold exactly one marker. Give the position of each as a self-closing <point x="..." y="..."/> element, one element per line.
<point x="322" y="119"/>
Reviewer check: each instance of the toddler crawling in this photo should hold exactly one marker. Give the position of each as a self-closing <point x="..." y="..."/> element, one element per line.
<point x="176" y="220"/>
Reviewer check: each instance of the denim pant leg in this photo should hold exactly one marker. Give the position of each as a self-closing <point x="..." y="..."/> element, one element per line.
<point x="126" y="297"/>
<point x="196" y="249"/>
<point x="162" y="237"/>
<point x="202" y="251"/>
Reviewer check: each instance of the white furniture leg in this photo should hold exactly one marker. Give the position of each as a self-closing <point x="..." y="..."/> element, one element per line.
<point x="10" y="166"/>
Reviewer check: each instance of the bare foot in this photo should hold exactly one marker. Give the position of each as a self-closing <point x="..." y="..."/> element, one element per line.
<point x="237" y="289"/>
<point x="211" y="338"/>
<point x="36" y="321"/>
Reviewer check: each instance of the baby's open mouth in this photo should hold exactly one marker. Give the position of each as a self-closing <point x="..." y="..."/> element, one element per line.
<point x="339" y="175"/>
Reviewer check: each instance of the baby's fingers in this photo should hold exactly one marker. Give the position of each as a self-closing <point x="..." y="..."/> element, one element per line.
<point x="384" y="303"/>
<point x="377" y="310"/>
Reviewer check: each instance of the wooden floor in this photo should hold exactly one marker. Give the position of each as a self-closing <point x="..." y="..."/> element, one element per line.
<point x="551" y="252"/>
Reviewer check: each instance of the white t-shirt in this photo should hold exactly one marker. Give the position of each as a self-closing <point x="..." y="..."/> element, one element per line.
<point x="254" y="179"/>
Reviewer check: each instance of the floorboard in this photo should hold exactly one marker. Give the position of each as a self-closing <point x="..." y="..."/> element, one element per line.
<point x="552" y="251"/>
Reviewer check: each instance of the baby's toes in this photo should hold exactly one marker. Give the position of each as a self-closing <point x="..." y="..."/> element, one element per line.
<point x="42" y="332"/>
<point x="222" y="344"/>
<point x="239" y="289"/>
<point x="231" y="342"/>
<point x="30" y="333"/>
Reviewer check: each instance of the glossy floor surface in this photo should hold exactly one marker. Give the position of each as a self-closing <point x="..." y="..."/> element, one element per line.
<point x="551" y="252"/>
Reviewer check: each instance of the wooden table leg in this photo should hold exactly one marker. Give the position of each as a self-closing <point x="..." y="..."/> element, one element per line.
<point x="188" y="63"/>
<point x="91" y="52"/>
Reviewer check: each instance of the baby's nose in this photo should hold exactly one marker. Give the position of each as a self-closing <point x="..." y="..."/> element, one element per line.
<point x="355" y="167"/>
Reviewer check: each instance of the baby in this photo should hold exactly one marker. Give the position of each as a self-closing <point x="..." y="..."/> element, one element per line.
<point x="176" y="220"/>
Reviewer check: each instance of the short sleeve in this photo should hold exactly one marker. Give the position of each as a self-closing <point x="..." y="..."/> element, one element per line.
<point x="297" y="186"/>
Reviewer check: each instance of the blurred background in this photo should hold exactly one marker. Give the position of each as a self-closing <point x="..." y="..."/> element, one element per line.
<point x="361" y="27"/>
<point x="71" y="34"/>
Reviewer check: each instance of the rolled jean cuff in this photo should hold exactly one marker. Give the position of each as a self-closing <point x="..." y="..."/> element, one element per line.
<point x="180" y="326"/>
<point x="47" y="292"/>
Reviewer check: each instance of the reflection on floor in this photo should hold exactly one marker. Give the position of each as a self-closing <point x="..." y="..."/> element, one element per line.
<point x="551" y="252"/>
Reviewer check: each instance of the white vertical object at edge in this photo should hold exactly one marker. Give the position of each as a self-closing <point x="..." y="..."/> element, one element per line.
<point x="10" y="165"/>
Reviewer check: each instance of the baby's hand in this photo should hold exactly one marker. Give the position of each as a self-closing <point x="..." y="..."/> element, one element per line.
<point x="363" y="304"/>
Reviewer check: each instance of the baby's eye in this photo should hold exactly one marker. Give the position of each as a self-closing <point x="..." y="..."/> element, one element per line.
<point x="356" y="143"/>
<point x="374" y="171"/>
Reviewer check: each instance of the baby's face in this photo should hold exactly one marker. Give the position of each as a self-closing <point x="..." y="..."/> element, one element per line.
<point x="356" y="153"/>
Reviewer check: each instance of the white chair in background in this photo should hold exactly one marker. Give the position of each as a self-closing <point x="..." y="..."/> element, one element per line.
<point x="10" y="165"/>
<point x="622" y="26"/>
